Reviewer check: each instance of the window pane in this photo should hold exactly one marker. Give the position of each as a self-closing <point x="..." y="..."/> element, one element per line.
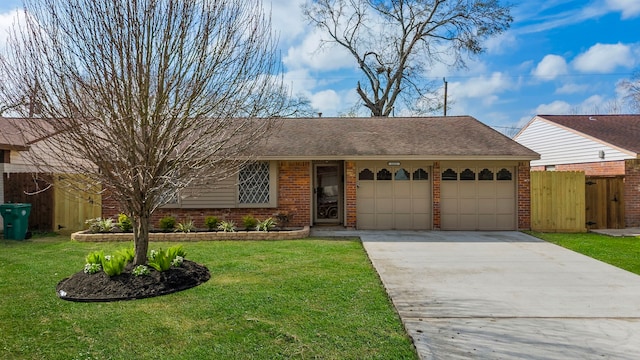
<point x="467" y="174"/>
<point x="253" y="183"/>
<point x="365" y="174"/>
<point x="504" y="174"/>
<point x="420" y="175"/>
<point x="384" y="174"/>
<point x="402" y="174"/>
<point x="449" y="174"/>
<point x="485" y="174"/>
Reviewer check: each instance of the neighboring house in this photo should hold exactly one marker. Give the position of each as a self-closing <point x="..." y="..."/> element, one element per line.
<point x="449" y="173"/>
<point x="54" y="208"/>
<point x="605" y="147"/>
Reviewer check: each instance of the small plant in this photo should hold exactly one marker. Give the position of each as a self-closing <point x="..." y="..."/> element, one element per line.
<point x="168" y="223"/>
<point x="92" y="268"/>
<point x="211" y="222"/>
<point x="95" y="257"/>
<point x="140" y="270"/>
<point x="249" y="222"/>
<point x="100" y="225"/>
<point x="185" y="227"/>
<point x="283" y="218"/>
<point x="162" y="260"/>
<point x="114" y="264"/>
<point x="266" y="225"/>
<point x="124" y="222"/>
<point x="227" y="226"/>
<point x="128" y="254"/>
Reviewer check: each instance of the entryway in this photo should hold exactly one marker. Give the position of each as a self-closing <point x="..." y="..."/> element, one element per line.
<point x="328" y="193"/>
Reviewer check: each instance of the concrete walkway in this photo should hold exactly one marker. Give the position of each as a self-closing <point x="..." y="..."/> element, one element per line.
<point x="505" y="295"/>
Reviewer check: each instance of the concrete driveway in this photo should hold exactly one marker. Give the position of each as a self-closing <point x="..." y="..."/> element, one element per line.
<point x="505" y="295"/>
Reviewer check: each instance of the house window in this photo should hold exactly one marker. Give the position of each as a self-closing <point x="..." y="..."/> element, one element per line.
<point x="485" y="174"/>
<point x="365" y="174"/>
<point x="420" y="175"/>
<point x="401" y="174"/>
<point x="449" y="174"/>
<point x="504" y="174"/>
<point x="384" y="174"/>
<point x="253" y="183"/>
<point x="467" y="174"/>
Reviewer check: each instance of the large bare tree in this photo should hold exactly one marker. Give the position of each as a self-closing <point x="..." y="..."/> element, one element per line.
<point x="145" y="97"/>
<point x="632" y="87"/>
<point x="394" y="42"/>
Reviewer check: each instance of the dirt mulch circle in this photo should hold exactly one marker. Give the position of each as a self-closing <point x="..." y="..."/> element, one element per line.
<point x="100" y="287"/>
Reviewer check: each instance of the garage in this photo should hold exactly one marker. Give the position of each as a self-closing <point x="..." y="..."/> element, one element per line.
<point x="394" y="195"/>
<point x="478" y="196"/>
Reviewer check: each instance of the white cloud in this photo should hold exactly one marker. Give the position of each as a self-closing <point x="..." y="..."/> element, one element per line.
<point x="571" y="89"/>
<point x="629" y="8"/>
<point x="550" y="67"/>
<point x="7" y="20"/>
<point x="310" y="54"/>
<point x="327" y="102"/>
<point x="286" y="19"/>
<point x="481" y="87"/>
<point x="556" y="107"/>
<point x="604" y="58"/>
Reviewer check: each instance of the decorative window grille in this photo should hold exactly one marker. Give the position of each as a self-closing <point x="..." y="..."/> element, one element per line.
<point x="504" y="174"/>
<point x="253" y="183"/>
<point x="383" y="174"/>
<point x="420" y="175"/>
<point x="467" y="174"/>
<point x="485" y="174"/>
<point x="365" y="174"/>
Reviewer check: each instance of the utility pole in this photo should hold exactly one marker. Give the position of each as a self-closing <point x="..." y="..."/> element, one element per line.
<point x="445" y="96"/>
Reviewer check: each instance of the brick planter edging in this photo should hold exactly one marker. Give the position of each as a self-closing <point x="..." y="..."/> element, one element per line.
<point x="84" y="236"/>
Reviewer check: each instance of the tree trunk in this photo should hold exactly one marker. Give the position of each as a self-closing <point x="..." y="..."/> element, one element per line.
<point x="141" y="238"/>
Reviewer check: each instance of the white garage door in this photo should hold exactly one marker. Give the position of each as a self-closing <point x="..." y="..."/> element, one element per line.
<point x="396" y="196"/>
<point x="478" y="198"/>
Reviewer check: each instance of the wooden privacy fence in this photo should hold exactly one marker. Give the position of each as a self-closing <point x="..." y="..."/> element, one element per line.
<point x="558" y="201"/>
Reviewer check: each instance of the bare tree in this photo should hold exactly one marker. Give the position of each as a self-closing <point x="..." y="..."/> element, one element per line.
<point x="145" y="97"/>
<point x="632" y="87"/>
<point x="394" y="42"/>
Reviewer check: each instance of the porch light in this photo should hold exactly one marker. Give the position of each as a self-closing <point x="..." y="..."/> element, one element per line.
<point x="393" y="163"/>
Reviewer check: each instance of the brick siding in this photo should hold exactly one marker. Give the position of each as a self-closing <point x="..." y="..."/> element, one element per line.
<point x="350" y="184"/>
<point x="602" y="168"/>
<point x="437" y="180"/>
<point x="524" y="196"/>
<point x="632" y="193"/>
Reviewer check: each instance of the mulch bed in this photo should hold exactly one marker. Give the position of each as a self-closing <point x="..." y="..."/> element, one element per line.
<point x="126" y="286"/>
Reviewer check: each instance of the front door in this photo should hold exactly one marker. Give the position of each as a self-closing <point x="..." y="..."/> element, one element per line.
<point x="327" y="193"/>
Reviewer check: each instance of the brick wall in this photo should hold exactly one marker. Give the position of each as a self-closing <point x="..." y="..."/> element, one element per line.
<point x="350" y="184"/>
<point x="437" y="177"/>
<point x="294" y="197"/>
<point x="632" y="193"/>
<point x="524" y="196"/>
<point x="602" y="168"/>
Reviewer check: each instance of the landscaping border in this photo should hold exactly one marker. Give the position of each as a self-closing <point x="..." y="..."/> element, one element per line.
<point x="85" y="236"/>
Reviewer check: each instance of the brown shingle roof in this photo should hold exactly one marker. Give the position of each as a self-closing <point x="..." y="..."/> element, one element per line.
<point x="426" y="137"/>
<point x="622" y="131"/>
<point x="11" y="138"/>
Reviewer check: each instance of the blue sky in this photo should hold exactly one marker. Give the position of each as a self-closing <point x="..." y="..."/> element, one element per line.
<point x="559" y="57"/>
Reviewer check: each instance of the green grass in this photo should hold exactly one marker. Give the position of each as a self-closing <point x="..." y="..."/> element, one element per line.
<point x="307" y="299"/>
<point x="623" y="252"/>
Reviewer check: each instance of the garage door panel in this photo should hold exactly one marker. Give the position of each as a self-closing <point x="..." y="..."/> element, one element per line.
<point x="421" y="206"/>
<point x="366" y="189"/>
<point x="486" y="206"/>
<point x="366" y="206"/>
<point x="486" y="189"/>
<point x="403" y="221"/>
<point x="450" y="206"/>
<point x="384" y="221"/>
<point x="366" y="221"/>
<point x="468" y="206"/>
<point x="449" y="222"/>
<point x="505" y="222"/>
<point x="402" y="189"/>
<point x="384" y="206"/>
<point x="402" y="206"/>
<point x="467" y="189"/>
<point x="487" y="222"/>
<point x="420" y="189"/>
<point x="384" y="189"/>
<point x="467" y="222"/>
<point x="505" y="189"/>
<point x="505" y="206"/>
<point x="449" y="189"/>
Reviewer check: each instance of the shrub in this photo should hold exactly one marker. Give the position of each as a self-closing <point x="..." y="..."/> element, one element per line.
<point x="124" y="222"/>
<point x="249" y="222"/>
<point x="100" y="225"/>
<point x="128" y="254"/>
<point x="211" y="222"/>
<point x="227" y="226"/>
<point x="168" y="223"/>
<point x="266" y="224"/>
<point x="92" y="268"/>
<point x="162" y="260"/>
<point x="140" y="270"/>
<point x="283" y="218"/>
<point x="95" y="257"/>
<point x="185" y="227"/>
<point x="114" y="264"/>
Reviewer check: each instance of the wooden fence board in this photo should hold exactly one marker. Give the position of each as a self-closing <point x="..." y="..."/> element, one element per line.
<point x="32" y="189"/>
<point x="75" y="202"/>
<point x="558" y="201"/>
<point x="605" y="202"/>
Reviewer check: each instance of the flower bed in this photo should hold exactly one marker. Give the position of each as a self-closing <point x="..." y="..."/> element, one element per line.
<point x="196" y="236"/>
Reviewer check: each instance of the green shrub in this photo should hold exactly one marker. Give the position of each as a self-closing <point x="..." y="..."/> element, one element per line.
<point x="249" y="222"/>
<point x="266" y="225"/>
<point x="168" y="223"/>
<point x="92" y="268"/>
<point x="185" y="227"/>
<point x="227" y="226"/>
<point x="128" y="254"/>
<point x="95" y="257"/>
<point x="100" y="225"/>
<point x="211" y="222"/>
<point x="114" y="264"/>
<point x="124" y="222"/>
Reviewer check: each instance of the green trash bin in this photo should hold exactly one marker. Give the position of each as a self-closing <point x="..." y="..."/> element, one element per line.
<point x="16" y="220"/>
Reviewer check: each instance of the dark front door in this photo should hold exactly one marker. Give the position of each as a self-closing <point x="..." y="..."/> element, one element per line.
<point x="327" y="193"/>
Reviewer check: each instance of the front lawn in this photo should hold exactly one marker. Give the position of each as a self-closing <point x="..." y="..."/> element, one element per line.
<point x="307" y="299"/>
<point x="623" y="252"/>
